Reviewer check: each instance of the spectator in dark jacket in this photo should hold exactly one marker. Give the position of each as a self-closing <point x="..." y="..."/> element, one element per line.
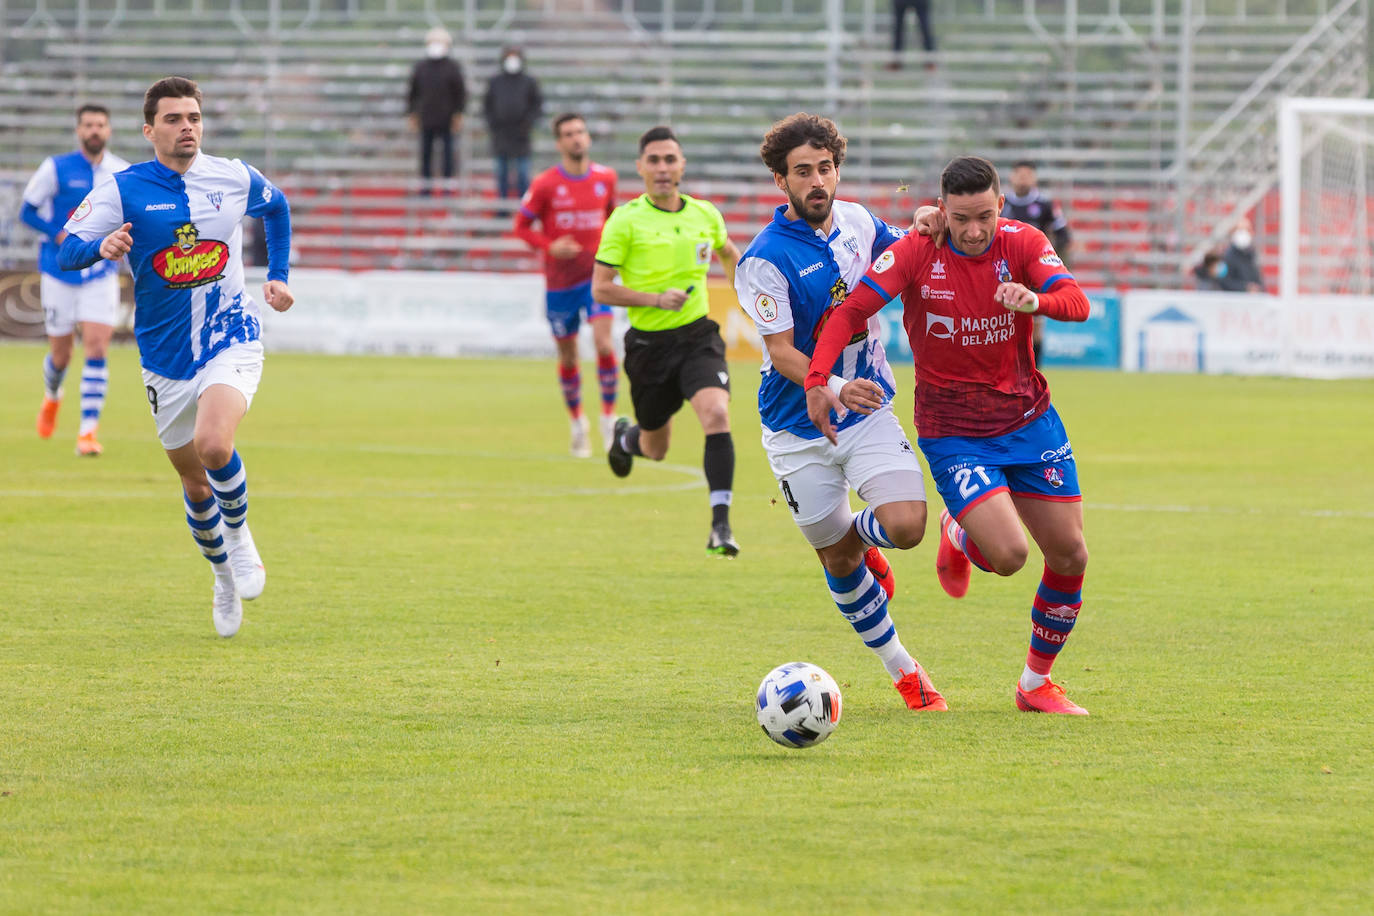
<point x="1242" y="271"/>
<point x="436" y="101"/>
<point x="512" y="105"/>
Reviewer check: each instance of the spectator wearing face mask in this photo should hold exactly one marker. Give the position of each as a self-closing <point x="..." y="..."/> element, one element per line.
<point x="1242" y="274"/>
<point x="1210" y="271"/>
<point x="435" y="103"/>
<point x="512" y="106"/>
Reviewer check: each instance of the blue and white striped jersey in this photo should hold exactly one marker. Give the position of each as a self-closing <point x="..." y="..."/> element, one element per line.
<point x="791" y="276"/>
<point x="54" y="191"/>
<point x="189" y="296"/>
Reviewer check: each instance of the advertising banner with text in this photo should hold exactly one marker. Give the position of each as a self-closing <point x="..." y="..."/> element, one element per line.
<point x="1246" y="333"/>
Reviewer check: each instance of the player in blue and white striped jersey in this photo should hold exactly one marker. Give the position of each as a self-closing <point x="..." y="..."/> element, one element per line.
<point x="178" y="218"/>
<point x="90" y="297"/>
<point x="796" y="271"/>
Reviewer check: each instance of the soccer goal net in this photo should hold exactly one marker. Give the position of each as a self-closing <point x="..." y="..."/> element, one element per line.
<point x="1326" y="179"/>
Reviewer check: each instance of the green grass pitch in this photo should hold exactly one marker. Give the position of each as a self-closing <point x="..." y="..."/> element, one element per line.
<point x="487" y="677"/>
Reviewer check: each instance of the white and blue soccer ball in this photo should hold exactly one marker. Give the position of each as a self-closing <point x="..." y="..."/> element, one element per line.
<point x="798" y="704"/>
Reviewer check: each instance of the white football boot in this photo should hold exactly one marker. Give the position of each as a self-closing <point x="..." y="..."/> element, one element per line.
<point x="607" y="429"/>
<point x="581" y="446"/>
<point x="227" y="611"/>
<point x="250" y="576"/>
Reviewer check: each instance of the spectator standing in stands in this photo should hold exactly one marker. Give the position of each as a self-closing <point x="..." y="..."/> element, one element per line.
<point x="1210" y="272"/>
<point x="512" y="105"/>
<point x="922" y="10"/>
<point x="1242" y="270"/>
<point x="1024" y="202"/>
<point x="435" y="103"/>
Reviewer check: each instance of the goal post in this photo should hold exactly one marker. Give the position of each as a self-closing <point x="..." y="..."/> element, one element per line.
<point x="1326" y="176"/>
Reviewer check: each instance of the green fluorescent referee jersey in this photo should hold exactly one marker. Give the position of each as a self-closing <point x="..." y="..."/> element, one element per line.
<point x="656" y="250"/>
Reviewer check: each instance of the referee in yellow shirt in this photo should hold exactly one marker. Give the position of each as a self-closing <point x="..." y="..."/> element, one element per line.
<point x="660" y="244"/>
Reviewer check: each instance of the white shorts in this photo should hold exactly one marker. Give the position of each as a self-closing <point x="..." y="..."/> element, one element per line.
<point x="873" y="457"/>
<point x="174" y="401"/>
<point x="65" y="304"/>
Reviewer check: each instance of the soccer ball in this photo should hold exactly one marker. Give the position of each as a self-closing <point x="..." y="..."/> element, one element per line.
<point x="798" y="705"/>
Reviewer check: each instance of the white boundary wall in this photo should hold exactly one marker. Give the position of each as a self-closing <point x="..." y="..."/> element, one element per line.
<point x="1247" y="334"/>
<point x="421" y="313"/>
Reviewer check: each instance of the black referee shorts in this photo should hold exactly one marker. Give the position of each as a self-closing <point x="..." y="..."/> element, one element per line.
<point x="666" y="368"/>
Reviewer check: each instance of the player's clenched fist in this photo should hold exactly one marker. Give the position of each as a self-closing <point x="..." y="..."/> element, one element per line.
<point x="278" y="295"/>
<point x="117" y="244"/>
<point x="1017" y="298"/>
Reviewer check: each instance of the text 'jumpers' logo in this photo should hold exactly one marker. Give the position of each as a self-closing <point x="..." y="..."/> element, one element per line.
<point x="191" y="262"/>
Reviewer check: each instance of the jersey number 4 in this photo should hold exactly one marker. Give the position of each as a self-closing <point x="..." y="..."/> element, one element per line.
<point x="791" y="500"/>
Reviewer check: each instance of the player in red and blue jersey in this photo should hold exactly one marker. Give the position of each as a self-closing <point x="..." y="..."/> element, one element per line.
<point x="571" y="202"/>
<point x="995" y="445"/>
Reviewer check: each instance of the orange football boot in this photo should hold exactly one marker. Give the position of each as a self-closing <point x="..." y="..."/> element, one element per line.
<point x="1048" y="697"/>
<point x="882" y="570"/>
<point x="47" y="417"/>
<point x="86" y="446"/>
<point x="919" y="693"/>
<point x="951" y="566"/>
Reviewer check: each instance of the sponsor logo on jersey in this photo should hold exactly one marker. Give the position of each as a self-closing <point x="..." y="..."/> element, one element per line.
<point x="937" y="270"/>
<point x="885" y="260"/>
<point x="945" y="294"/>
<point x="703" y="252"/>
<point x="191" y="261"/>
<point x="1003" y="271"/>
<point x="944" y="323"/>
<point x="267" y="194"/>
<point x="838" y="291"/>
<point x="561" y="190"/>
<point x="1050" y="259"/>
<point x="1054" y="477"/>
<point x="1012" y="227"/>
<point x="152" y="207"/>
<point x="766" y="307"/>
<point x="810" y="269"/>
<point x="82" y="211"/>
<point x="1057" y="454"/>
<point x="600" y="188"/>
<point x="216" y="198"/>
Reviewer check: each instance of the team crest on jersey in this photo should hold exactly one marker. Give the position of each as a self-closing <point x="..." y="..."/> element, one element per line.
<point x="1003" y="271"/>
<point x="851" y="245"/>
<point x="216" y="198"/>
<point x="1054" y="477"/>
<point x="191" y="261"/>
<point x="885" y="260"/>
<point x="600" y="188"/>
<point x="82" y="211"/>
<point x="937" y="270"/>
<point x="766" y="307"/>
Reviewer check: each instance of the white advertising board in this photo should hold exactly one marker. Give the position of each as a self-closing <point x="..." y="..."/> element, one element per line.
<point x="1249" y="334"/>
<point x="421" y="313"/>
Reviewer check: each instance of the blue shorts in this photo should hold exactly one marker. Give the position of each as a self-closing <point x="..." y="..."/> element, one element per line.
<point x="565" y="308"/>
<point x="1035" y="461"/>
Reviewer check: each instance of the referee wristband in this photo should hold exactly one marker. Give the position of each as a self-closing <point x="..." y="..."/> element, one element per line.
<point x="836" y="384"/>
